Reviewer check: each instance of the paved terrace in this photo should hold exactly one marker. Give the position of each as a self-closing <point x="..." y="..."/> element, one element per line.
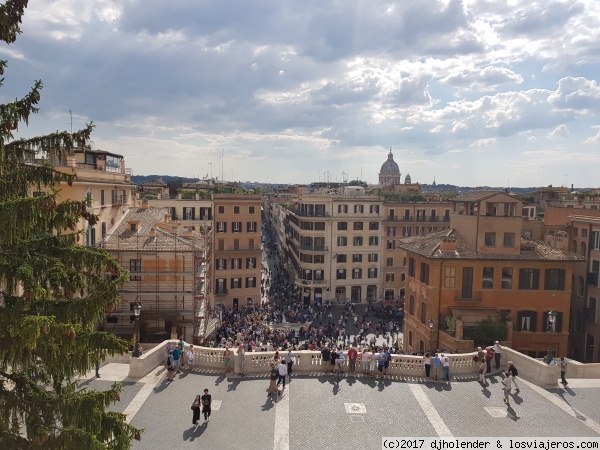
<point x="316" y="412"/>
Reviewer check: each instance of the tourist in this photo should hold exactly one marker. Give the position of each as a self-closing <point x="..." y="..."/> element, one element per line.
<point x="170" y="366"/>
<point x="289" y="360"/>
<point x="206" y="405"/>
<point x="273" y="375"/>
<point x="339" y="363"/>
<point x="506" y="387"/>
<point x="482" y="367"/>
<point x="241" y="357"/>
<point x="227" y="359"/>
<point x="381" y="359"/>
<point x="365" y="359"/>
<point x="196" y="409"/>
<point x="177" y="352"/>
<point x="436" y="362"/>
<point x="282" y="371"/>
<point x="427" y="364"/>
<point x="388" y="359"/>
<point x="190" y="355"/>
<point x="373" y="362"/>
<point x="514" y="372"/>
<point x="446" y="367"/>
<point x="352" y="356"/>
<point x="497" y="354"/>
<point x="563" y="371"/>
<point x="489" y="355"/>
<point x="325" y="355"/>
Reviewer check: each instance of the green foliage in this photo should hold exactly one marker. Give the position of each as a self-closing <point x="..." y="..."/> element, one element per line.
<point x="487" y="331"/>
<point x="451" y="324"/>
<point x="53" y="292"/>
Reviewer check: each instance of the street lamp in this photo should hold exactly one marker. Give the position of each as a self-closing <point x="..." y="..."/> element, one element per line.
<point x="551" y="327"/>
<point x="137" y="309"/>
<point x="431" y="335"/>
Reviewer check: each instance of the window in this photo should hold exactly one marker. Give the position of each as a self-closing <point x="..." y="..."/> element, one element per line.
<point x="221" y="227"/>
<point x="220" y="244"/>
<point x="554" y="280"/>
<point x="410" y="338"/>
<point x="102" y="197"/>
<point x="221" y="210"/>
<point x="527" y="321"/>
<point x="342" y="241"/>
<point x="341" y="258"/>
<point x="487" y="279"/>
<point x="342" y="225"/>
<point x="450" y="277"/>
<point x="251" y="227"/>
<point x="135" y="269"/>
<point x="357" y="257"/>
<point x="391" y="231"/>
<point x="236" y="227"/>
<point x="372" y="273"/>
<point x="358" y="226"/>
<point x="529" y="279"/>
<point x="467" y="283"/>
<point x="250" y="263"/>
<point x="411" y="267"/>
<point x="250" y="209"/>
<point x="342" y="208"/>
<point x="236" y="283"/>
<point x="584" y="232"/>
<point x="236" y="244"/>
<point x="205" y="213"/>
<point x="103" y="229"/>
<point x="423" y="312"/>
<point x="575" y="232"/>
<point x="221" y="286"/>
<point x="341" y="274"/>
<point x="547" y="327"/>
<point x="373" y="257"/>
<point x="509" y="239"/>
<point x="583" y="249"/>
<point x="221" y="264"/>
<point x="373" y="226"/>
<point x="389" y="262"/>
<point x="236" y="263"/>
<point x="373" y="240"/>
<point x="250" y="282"/>
<point x="236" y="209"/>
<point x="507" y="276"/>
<point x="359" y="209"/>
<point x="356" y="274"/>
<point x="189" y="213"/>
<point x="251" y="244"/>
<point x="319" y="259"/>
<point x="391" y="244"/>
<point x="320" y="226"/>
<point x="411" y="306"/>
<point x="374" y="209"/>
<point x="591" y="310"/>
<point x="358" y="241"/>
<point x="306" y="258"/>
<point x="114" y="196"/>
<point x="389" y="277"/>
<point x="424" y="273"/>
<point x="596" y="240"/>
<point x="490" y="239"/>
<point x="319" y="275"/>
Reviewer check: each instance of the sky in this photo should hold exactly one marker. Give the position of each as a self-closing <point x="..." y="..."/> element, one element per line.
<point x="472" y="93"/>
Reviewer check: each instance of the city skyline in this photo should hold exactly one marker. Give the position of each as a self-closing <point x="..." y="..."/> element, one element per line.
<point x="468" y="93"/>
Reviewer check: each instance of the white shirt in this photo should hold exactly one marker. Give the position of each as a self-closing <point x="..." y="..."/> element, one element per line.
<point x="497" y="348"/>
<point x="445" y="361"/>
<point x="282" y="369"/>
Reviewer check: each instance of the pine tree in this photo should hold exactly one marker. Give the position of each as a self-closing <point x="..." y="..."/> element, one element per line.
<point x="53" y="292"/>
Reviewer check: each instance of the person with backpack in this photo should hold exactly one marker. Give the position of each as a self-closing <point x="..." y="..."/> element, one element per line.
<point x="514" y="372"/>
<point x="170" y="366"/>
<point x="206" y="405"/>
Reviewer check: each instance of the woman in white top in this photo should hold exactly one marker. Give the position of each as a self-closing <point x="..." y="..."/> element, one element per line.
<point x="365" y="359"/>
<point x="506" y="387"/>
<point x="373" y="360"/>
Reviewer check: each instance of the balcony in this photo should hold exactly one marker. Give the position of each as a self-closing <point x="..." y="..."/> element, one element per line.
<point x="313" y="248"/>
<point x="311" y="283"/>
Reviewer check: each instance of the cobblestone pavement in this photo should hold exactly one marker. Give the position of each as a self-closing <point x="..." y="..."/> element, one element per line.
<point x="355" y="413"/>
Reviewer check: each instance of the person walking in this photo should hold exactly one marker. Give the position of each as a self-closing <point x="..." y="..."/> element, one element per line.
<point x="563" y="371"/>
<point x="273" y="375"/>
<point x="497" y="354"/>
<point x="206" y="405"/>
<point x="196" y="410"/>
<point x="282" y="371"/>
<point x="514" y="372"/>
<point x="97" y="367"/>
<point x="506" y="387"/>
<point x="482" y="373"/>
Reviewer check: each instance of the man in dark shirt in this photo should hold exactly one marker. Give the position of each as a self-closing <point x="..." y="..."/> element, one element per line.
<point x="325" y="355"/>
<point x="206" y="401"/>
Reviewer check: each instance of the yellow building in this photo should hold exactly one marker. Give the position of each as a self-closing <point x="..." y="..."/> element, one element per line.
<point x="237" y="227"/>
<point x="482" y="268"/>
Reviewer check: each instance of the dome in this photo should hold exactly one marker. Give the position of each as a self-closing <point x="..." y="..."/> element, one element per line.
<point x="407" y="179"/>
<point x="390" y="166"/>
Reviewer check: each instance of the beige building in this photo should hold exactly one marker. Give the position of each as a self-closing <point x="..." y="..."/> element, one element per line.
<point x="237" y="226"/>
<point x="169" y="275"/>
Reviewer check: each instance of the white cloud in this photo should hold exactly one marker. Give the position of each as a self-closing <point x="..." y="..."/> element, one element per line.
<point x="559" y="132"/>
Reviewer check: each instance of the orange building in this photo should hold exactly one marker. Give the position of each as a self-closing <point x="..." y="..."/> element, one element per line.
<point x="237" y="250"/>
<point x="482" y="268"/>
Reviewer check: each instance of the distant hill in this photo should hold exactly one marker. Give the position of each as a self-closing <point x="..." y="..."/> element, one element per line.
<point x="170" y="180"/>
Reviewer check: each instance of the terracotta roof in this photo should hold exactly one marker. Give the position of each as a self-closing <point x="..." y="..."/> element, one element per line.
<point x="152" y="233"/>
<point x="430" y="246"/>
<point x="475" y="196"/>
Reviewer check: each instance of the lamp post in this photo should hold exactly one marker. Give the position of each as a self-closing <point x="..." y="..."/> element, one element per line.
<point x="431" y="335"/>
<point x="551" y="327"/>
<point x="136" y="349"/>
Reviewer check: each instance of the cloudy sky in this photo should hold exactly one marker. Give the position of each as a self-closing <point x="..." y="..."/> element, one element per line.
<point x="472" y="92"/>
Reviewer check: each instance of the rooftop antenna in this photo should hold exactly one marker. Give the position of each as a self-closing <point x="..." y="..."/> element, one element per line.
<point x="71" y="115"/>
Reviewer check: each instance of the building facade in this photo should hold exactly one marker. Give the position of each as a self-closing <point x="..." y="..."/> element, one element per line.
<point x="482" y="269"/>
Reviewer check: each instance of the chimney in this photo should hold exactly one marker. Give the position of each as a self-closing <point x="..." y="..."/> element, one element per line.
<point x="449" y="244"/>
<point x="144" y="204"/>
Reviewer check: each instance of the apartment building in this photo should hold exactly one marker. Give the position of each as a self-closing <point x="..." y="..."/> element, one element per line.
<point x="169" y="275"/>
<point x="481" y="268"/>
<point x="102" y="181"/>
<point x="237" y="259"/>
<point x="403" y="219"/>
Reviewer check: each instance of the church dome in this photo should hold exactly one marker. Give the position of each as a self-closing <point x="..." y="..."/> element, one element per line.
<point x="390" y="166"/>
